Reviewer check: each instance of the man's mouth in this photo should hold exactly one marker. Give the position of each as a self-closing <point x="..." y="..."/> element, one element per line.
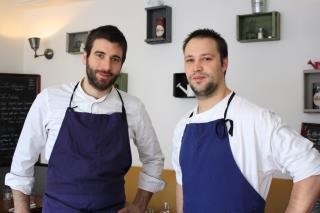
<point x="103" y="75"/>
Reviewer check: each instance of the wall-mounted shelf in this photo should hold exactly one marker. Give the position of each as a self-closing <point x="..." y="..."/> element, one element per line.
<point x="248" y="27"/>
<point x="122" y="82"/>
<point x="159" y="15"/>
<point x="311" y="80"/>
<point x="181" y="88"/>
<point x="76" y="42"/>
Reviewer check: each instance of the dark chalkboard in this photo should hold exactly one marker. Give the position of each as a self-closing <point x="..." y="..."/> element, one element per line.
<point x="17" y="92"/>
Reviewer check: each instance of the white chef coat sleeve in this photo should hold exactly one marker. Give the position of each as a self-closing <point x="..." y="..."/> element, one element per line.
<point x="291" y="152"/>
<point x="31" y="141"/>
<point x="176" y="145"/>
<point x="150" y="153"/>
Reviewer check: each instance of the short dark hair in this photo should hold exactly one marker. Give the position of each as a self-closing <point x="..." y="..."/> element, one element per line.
<point x="110" y="33"/>
<point x="209" y="33"/>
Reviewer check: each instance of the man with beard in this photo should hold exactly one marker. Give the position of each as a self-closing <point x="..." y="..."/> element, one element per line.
<point x="226" y="149"/>
<point x="86" y="129"/>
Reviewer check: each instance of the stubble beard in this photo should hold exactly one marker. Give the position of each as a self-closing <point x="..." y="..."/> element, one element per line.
<point x="100" y="85"/>
<point x="208" y="90"/>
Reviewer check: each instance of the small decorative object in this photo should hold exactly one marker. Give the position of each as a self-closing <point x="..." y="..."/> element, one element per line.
<point x="166" y="208"/>
<point x="160" y="27"/>
<point x="315" y="65"/>
<point x="82" y="46"/>
<point x="258" y="6"/>
<point x="311" y="131"/>
<point x="260" y="33"/>
<point x="316" y="95"/>
<point x="189" y="92"/>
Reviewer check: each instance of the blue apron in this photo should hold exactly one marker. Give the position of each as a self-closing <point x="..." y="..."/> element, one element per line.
<point x="88" y="163"/>
<point x="211" y="179"/>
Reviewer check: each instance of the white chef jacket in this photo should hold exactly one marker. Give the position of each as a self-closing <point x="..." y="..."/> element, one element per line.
<point x="261" y="143"/>
<point x="45" y="118"/>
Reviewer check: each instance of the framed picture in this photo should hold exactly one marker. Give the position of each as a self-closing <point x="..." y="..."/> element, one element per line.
<point x="316" y="95"/>
<point x="311" y="131"/>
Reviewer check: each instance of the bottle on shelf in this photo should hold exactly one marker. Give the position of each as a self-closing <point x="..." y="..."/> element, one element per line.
<point x="166" y="208"/>
<point x="160" y="27"/>
<point x="260" y="33"/>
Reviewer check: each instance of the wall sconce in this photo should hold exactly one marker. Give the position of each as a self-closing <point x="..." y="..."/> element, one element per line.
<point x="34" y="43"/>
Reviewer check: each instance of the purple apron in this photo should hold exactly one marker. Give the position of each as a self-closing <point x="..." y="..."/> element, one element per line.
<point x="88" y="163"/>
<point x="211" y="179"/>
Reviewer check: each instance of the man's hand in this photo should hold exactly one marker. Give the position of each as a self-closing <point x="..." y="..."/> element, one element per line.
<point x="21" y="202"/>
<point x="139" y="204"/>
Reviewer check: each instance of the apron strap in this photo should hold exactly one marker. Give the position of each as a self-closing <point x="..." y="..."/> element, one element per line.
<point x="124" y="114"/>
<point x="225" y="115"/>
<point x="220" y="127"/>
<point x="74" y="89"/>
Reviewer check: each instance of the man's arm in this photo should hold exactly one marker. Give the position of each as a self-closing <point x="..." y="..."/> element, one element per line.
<point x="139" y="204"/>
<point x="179" y="198"/>
<point x="304" y="195"/>
<point x="21" y="202"/>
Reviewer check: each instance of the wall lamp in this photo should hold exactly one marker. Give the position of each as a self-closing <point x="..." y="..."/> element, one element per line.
<point x="34" y="43"/>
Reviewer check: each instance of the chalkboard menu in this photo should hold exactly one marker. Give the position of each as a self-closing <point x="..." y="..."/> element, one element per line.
<point x="17" y="92"/>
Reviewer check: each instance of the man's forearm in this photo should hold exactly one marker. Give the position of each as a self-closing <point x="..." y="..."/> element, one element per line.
<point x="304" y="194"/>
<point x="21" y="202"/>
<point x="142" y="199"/>
<point x="179" y="198"/>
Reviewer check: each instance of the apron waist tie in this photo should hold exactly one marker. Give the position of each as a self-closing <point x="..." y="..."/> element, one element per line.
<point x="83" y="210"/>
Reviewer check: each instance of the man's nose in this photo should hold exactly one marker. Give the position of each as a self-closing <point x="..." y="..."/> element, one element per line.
<point x="105" y="64"/>
<point x="197" y="66"/>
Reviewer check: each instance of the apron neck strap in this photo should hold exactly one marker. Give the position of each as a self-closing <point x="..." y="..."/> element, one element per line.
<point x="74" y="89"/>
<point x="226" y="110"/>
<point x="229" y="101"/>
<point x="124" y="114"/>
<point x="123" y="109"/>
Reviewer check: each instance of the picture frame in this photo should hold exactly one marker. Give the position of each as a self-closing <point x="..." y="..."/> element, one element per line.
<point x="311" y="131"/>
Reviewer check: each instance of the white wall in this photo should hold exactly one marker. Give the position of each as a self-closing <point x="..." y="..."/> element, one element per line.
<point x="11" y="38"/>
<point x="268" y="73"/>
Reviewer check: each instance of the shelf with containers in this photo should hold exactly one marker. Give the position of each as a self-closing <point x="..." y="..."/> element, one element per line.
<point x="258" y="27"/>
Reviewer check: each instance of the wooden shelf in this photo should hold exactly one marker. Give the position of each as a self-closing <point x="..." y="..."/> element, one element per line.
<point x="153" y="13"/>
<point x="311" y="79"/>
<point x="76" y="41"/>
<point x="248" y="26"/>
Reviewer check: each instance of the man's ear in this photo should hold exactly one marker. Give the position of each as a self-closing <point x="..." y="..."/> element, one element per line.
<point x="225" y="63"/>
<point x="84" y="57"/>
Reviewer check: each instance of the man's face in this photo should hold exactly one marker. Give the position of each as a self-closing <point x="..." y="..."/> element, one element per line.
<point x="104" y="64"/>
<point x="203" y="67"/>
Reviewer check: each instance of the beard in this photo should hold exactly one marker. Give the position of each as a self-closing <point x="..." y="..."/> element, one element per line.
<point x="208" y="90"/>
<point x="100" y="85"/>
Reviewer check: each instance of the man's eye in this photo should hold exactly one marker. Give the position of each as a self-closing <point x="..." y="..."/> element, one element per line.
<point x="189" y="60"/>
<point x="116" y="59"/>
<point x="101" y="56"/>
<point x="207" y="59"/>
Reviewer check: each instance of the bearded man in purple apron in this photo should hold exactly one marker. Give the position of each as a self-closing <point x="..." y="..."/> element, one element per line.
<point x="86" y="128"/>
<point x="226" y="149"/>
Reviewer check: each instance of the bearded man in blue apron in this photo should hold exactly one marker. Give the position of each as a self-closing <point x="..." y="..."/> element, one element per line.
<point x="226" y="149"/>
<point x="86" y="128"/>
